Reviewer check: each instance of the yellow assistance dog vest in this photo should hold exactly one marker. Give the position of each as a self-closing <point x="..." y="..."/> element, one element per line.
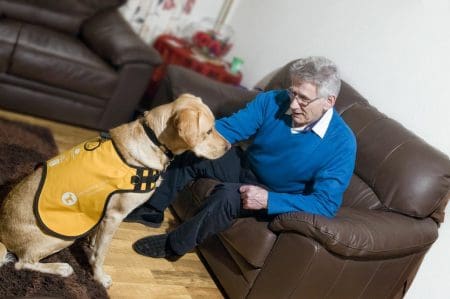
<point x="76" y="186"/>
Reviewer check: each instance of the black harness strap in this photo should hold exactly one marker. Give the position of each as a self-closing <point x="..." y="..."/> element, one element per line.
<point x="149" y="180"/>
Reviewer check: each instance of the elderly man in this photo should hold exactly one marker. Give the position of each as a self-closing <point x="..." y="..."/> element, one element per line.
<point x="301" y="158"/>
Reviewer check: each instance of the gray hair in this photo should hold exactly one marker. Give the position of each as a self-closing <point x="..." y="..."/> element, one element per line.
<point x="319" y="71"/>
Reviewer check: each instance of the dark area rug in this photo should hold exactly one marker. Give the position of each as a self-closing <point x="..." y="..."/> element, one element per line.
<point x="22" y="148"/>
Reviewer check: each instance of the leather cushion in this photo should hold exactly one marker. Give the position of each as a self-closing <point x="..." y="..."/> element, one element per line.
<point x="111" y="37"/>
<point x="67" y="15"/>
<point x="348" y="97"/>
<point x="370" y="234"/>
<point x="360" y="195"/>
<point x="57" y="59"/>
<point x="9" y="31"/>
<point x="248" y="271"/>
<point x="280" y="79"/>
<point x="406" y="174"/>
<point x="251" y="239"/>
<point x="223" y="99"/>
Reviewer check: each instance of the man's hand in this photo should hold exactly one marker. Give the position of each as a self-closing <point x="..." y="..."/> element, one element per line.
<point x="253" y="197"/>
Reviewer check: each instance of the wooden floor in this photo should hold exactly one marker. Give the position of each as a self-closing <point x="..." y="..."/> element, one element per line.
<point x="136" y="276"/>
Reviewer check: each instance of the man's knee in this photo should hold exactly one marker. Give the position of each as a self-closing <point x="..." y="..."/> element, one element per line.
<point x="226" y="196"/>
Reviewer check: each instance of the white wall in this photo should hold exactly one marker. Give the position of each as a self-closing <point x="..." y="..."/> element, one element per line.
<point x="395" y="53"/>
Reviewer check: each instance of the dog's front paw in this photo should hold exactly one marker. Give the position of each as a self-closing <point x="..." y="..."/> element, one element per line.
<point x="64" y="269"/>
<point x="105" y="280"/>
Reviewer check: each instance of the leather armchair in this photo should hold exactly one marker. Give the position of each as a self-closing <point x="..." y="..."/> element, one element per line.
<point x="73" y="61"/>
<point x="374" y="246"/>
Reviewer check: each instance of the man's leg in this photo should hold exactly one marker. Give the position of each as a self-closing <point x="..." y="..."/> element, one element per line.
<point x="215" y="215"/>
<point x="182" y="170"/>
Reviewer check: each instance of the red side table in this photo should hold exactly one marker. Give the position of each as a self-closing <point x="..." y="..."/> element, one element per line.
<point x="178" y="51"/>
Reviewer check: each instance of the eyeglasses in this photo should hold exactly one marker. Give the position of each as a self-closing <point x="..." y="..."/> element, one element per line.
<point x="301" y="99"/>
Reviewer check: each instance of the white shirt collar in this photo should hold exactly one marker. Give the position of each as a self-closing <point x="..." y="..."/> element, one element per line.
<point x="320" y="127"/>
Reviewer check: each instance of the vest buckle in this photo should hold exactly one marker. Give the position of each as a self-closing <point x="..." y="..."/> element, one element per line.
<point x="136" y="180"/>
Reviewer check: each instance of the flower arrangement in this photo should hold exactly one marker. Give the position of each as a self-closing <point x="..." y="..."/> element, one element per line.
<point x="211" y="44"/>
<point x="208" y="38"/>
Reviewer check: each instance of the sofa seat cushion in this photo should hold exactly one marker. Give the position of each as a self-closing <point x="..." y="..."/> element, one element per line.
<point x="60" y="60"/>
<point x="251" y="239"/>
<point x="9" y="31"/>
<point x="248" y="241"/>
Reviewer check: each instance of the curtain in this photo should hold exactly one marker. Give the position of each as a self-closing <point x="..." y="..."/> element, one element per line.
<point x="150" y="18"/>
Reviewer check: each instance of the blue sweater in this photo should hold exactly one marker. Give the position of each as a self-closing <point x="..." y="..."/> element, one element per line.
<point x="302" y="171"/>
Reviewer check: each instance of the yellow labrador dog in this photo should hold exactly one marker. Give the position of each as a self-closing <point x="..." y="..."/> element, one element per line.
<point x="185" y="124"/>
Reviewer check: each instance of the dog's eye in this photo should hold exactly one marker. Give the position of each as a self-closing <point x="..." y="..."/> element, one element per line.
<point x="209" y="132"/>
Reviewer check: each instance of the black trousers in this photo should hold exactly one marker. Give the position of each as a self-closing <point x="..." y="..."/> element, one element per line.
<point x="217" y="211"/>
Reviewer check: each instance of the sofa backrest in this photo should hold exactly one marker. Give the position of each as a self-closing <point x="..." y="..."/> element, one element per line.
<point x="395" y="169"/>
<point x="405" y="173"/>
<point x="62" y="15"/>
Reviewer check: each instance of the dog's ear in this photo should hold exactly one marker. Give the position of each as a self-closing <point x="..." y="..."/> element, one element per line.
<point x="187" y="124"/>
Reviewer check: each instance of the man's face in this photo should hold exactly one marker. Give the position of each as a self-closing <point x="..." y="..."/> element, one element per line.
<point x="306" y="106"/>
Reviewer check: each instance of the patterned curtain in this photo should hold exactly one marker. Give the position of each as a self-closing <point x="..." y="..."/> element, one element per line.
<point x="150" y="18"/>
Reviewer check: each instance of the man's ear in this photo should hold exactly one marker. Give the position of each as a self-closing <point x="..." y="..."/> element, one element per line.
<point x="329" y="103"/>
<point x="186" y="122"/>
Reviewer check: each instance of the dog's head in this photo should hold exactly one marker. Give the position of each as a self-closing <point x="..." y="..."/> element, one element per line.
<point x="190" y="126"/>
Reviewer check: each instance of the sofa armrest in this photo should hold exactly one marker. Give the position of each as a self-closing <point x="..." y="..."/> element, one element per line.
<point x="362" y="233"/>
<point x="223" y="99"/>
<point x="112" y="38"/>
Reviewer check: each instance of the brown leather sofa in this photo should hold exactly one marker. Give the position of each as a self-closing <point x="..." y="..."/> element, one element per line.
<point x="374" y="246"/>
<point x="74" y="61"/>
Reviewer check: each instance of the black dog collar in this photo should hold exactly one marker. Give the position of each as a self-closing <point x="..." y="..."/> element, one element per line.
<point x="155" y="140"/>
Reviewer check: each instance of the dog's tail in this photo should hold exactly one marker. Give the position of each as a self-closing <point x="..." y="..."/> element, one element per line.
<point x="5" y="257"/>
